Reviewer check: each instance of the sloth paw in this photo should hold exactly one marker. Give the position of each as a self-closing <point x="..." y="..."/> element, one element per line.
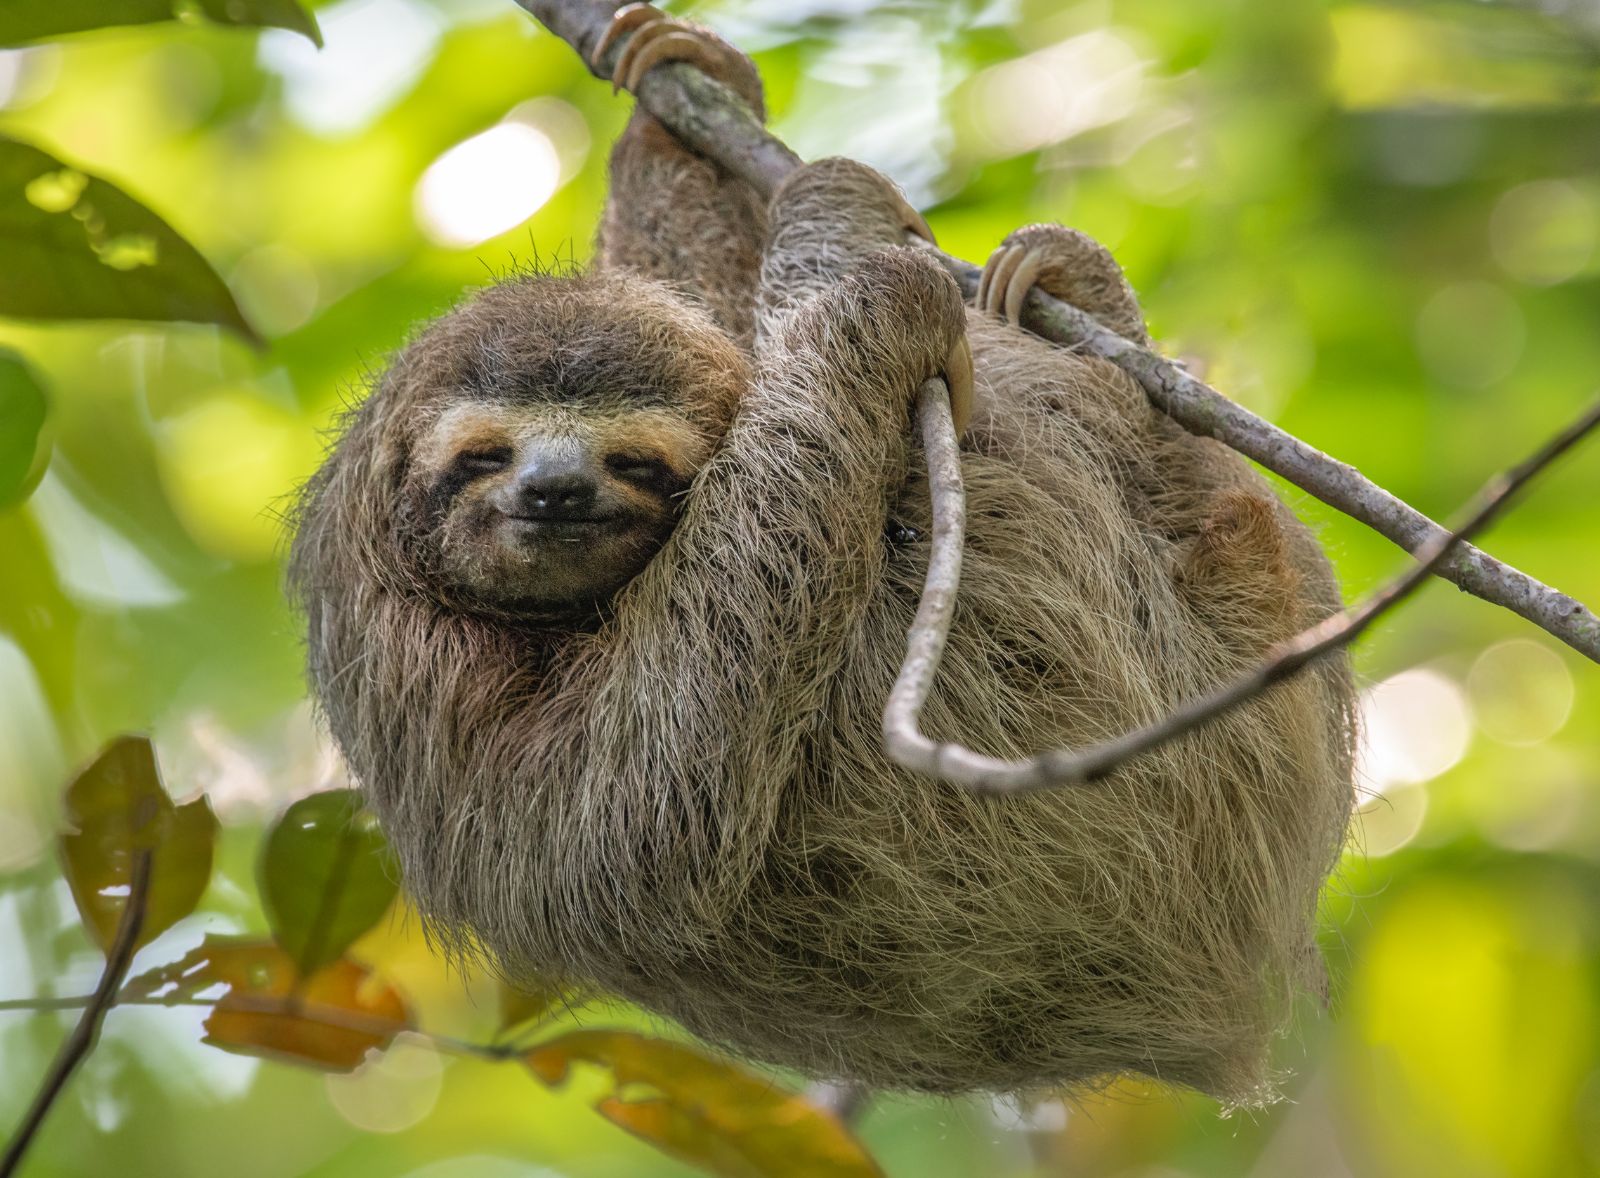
<point x="847" y="194"/>
<point x="903" y="302"/>
<point x="1065" y="263"/>
<point x="658" y="38"/>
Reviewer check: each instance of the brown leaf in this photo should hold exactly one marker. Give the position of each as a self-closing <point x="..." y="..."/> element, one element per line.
<point x="706" y="1111"/>
<point x="116" y="807"/>
<point x="329" y="1019"/>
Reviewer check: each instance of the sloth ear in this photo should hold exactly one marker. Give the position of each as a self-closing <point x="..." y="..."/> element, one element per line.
<point x="1239" y="566"/>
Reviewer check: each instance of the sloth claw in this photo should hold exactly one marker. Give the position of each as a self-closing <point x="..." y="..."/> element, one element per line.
<point x="624" y="20"/>
<point x="657" y="38"/>
<point x="914" y="221"/>
<point x="958" y="378"/>
<point x="1007" y="277"/>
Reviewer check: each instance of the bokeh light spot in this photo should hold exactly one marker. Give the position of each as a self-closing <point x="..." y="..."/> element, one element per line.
<point x="1521" y="692"/>
<point x="1415" y="725"/>
<point x="277" y="287"/>
<point x="1055" y="93"/>
<point x="1544" y="232"/>
<point x="229" y="465"/>
<point x="1470" y="334"/>
<point x="1389" y="821"/>
<point x="563" y="124"/>
<point x="392" y="1092"/>
<point x="488" y="184"/>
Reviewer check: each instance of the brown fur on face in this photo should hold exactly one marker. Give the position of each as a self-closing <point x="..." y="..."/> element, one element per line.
<point x="543" y="366"/>
<point x="685" y="800"/>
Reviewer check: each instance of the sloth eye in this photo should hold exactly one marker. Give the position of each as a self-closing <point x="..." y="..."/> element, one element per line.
<point x="480" y="462"/>
<point x="638" y="468"/>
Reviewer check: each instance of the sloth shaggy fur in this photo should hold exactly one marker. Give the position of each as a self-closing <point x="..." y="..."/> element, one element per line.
<point x="681" y="797"/>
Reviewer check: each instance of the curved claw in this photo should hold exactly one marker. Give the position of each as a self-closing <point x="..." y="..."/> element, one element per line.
<point x="1021" y="283"/>
<point x="624" y="20"/>
<point x="655" y="44"/>
<point x="959" y="379"/>
<point x="996" y="278"/>
<point x="916" y="223"/>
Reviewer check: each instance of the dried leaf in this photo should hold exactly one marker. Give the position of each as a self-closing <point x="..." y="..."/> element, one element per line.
<point x="115" y="807"/>
<point x="330" y="1019"/>
<point x="706" y="1111"/>
<point x="326" y="876"/>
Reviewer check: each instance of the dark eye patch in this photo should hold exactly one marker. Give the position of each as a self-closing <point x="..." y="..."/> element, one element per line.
<point x="481" y="461"/>
<point x="648" y="471"/>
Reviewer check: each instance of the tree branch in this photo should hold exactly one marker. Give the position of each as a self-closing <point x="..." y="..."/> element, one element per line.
<point x="715" y="122"/>
<point x="82" y="1040"/>
<point x="925" y="642"/>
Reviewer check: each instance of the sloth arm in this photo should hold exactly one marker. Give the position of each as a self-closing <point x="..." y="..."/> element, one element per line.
<point x="678" y="217"/>
<point x="721" y="652"/>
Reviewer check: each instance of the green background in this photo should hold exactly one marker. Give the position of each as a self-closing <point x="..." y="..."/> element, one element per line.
<point x="1376" y="224"/>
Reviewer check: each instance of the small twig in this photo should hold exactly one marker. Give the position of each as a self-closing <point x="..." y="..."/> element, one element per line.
<point x="926" y="640"/>
<point x="288" y="1005"/>
<point x="82" y="1040"/>
<point x="714" y="121"/>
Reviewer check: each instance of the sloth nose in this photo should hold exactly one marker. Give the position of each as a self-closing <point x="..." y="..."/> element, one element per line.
<point x="556" y="486"/>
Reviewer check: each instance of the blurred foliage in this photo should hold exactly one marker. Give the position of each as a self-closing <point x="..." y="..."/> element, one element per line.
<point x="31" y="20"/>
<point x="1376" y="223"/>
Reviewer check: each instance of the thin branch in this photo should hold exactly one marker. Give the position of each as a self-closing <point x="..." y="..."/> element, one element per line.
<point x="82" y="1040"/>
<point x="713" y="121"/>
<point x="925" y="642"/>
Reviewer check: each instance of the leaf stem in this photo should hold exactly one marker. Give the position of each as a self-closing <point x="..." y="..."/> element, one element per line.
<point x="83" y="1037"/>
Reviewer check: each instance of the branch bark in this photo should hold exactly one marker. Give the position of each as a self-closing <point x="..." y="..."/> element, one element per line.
<point x="925" y="642"/>
<point x="714" y="121"/>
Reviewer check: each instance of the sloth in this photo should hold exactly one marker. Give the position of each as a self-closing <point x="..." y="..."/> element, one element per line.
<point x="607" y="579"/>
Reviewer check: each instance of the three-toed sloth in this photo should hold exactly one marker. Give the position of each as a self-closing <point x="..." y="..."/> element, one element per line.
<point x="608" y="578"/>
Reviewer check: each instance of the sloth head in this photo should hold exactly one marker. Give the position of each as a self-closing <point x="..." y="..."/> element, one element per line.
<point x="528" y="453"/>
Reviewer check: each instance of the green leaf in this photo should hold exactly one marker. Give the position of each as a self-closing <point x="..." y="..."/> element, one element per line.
<point x="326" y="876"/>
<point x="276" y="14"/>
<point x="116" y="807"/>
<point x="23" y="408"/>
<point x="705" y="1110"/>
<point x="30" y="20"/>
<point x="77" y="247"/>
<point x="330" y="1019"/>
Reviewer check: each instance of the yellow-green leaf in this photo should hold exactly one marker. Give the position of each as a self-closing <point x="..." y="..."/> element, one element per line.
<point x="326" y="876"/>
<point x="116" y="807"/>
<point x="706" y="1111"/>
<point x="329" y="1019"/>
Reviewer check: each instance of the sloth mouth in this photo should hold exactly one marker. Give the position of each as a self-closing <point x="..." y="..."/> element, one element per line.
<point x="531" y="531"/>
<point x="565" y="521"/>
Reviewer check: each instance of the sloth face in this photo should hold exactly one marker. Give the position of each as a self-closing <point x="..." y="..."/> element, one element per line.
<point x="548" y="509"/>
